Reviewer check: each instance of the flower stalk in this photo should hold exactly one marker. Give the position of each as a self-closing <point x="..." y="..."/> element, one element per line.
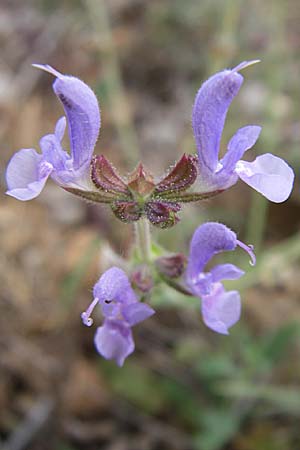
<point x="143" y="239"/>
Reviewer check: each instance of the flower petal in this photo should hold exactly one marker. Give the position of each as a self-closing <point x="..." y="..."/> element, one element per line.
<point x="60" y="128"/>
<point x="209" y="112"/>
<point x="208" y="240"/>
<point x="269" y="175"/>
<point x="83" y="115"/>
<point x="114" y="285"/>
<point x="114" y="341"/>
<point x="53" y="152"/>
<point x="221" y="310"/>
<point x="136" y="312"/>
<point x="27" y="174"/>
<point x="226" y="272"/>
<point x="240" y="142"/>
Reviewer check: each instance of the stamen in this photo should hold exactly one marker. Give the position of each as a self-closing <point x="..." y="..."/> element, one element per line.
<point x="245" y="64"/>
<point x="249" y="249"/>
<point x="85" y="316"/>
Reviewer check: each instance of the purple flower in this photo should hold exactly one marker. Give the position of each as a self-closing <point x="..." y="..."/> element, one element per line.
<point x="220" y="309"/>
<point x="28" y="170"/>
<point x="121" y="310"/>
<point x="268" y="174"/>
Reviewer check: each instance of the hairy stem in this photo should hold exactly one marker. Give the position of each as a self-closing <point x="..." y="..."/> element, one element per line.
<point x="143" y="239"/>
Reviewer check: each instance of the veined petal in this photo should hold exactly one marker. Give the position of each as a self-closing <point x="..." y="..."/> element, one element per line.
<point x="269" y="175"/>
<point x="114" y="341"/>
<point x="226" y="272"/>
<point x="209" y="112"/>
<point x="83" y="115"/>
<point x="240" y="142"/>
<point x="27" y="174"/>
<point x="221" y="310"/>
<point x="208" y="240"/>
<point x="136" y="312"/>
<point x="114" y="285"/>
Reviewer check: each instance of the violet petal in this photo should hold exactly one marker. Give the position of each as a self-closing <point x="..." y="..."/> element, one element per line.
<point x="27" y="174"/>
<point x="226" y="272"/>
<point x="208" y="240"/>
<point x="269" y="175"/>
<point x="240" y="142"/>
<point x="209" y="112"/>
<point x="221" y="310"/>
<point x="83" y="115"/>
<point x="136" y="312"/>
<point x="53" y="153"/>
<point x="114" y="341"/>
<point x="114" y="285"/>
<point x="60" y="128"/>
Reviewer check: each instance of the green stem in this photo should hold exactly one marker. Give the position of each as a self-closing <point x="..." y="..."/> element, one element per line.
<point x="143" y="239"/>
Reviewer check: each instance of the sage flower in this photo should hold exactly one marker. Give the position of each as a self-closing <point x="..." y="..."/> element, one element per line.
<point x="267" y="174"/>
<point x="220" y="309"/>
<point x="121" y="310"/>
<point x="28" y="171"/>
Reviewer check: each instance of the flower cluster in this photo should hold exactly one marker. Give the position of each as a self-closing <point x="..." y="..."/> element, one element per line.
<point x="140" y="197"/>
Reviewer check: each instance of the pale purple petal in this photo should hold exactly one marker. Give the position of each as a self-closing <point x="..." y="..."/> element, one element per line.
<point x="60" y="128"/>
<point x="114" y="341"/>
<point x="201" y="283"/>
<point x="27" y="174"/>
<point x="111" y="309"/>
<point x="226" y="272"/>
<point x="242" y="141"/>
<point x="209" y="112"/>
<point x="136" y="312"/>
<point x="114" y="285"/>
<point x="53" y="153"/>
<point x="83" y="115"/>
<point x="221" y="309"/>
<point x="208" y="240"/>
<point x="269" y="175"/>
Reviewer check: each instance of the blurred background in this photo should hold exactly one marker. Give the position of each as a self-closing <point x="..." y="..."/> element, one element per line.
<point x="185" y="387"/>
